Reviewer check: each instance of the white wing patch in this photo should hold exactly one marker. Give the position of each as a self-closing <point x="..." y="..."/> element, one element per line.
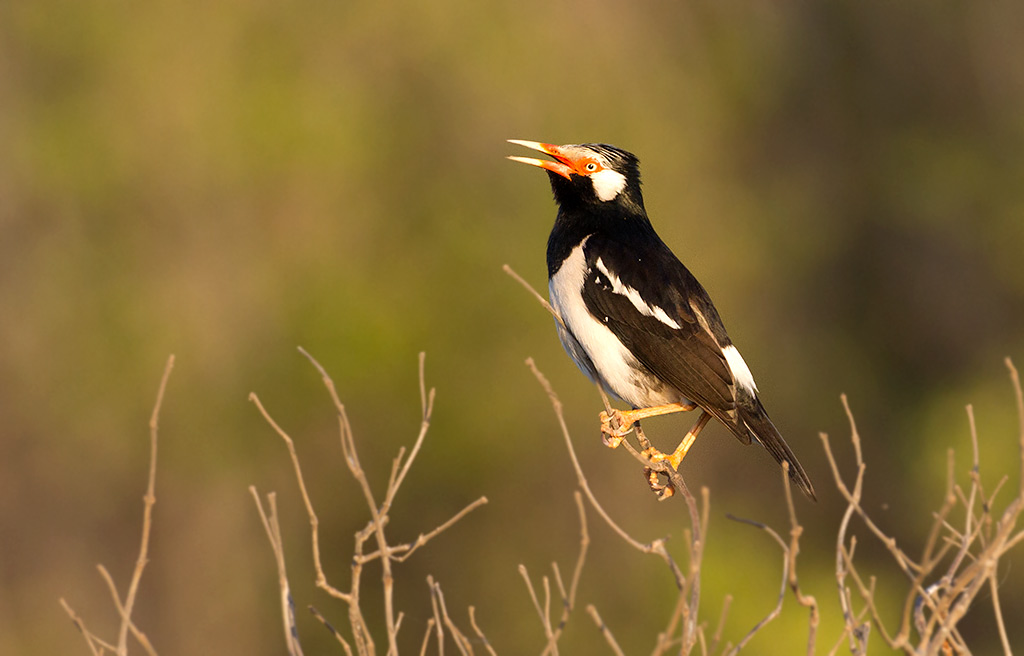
<point x="635" y="298"/>
<point x="739" y="368"/>
<point x="608" y="184"/>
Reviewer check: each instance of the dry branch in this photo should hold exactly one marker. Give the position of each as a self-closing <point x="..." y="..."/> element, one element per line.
<point x="941" y="588"/>
<point x="375" y="529"/>
<point x="126" y="607"/>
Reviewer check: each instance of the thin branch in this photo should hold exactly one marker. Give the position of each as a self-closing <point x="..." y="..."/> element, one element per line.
<point x="124" y="610"/>
<point x="112" y="587"/>
<point x="461" y="641"/>
<point x="147" y="515"/>
<point x="479" y="633"/>
<point x="351" y="455"/>
<point x="273" y="530"/>
<point x="605" y="631"/>
<point x="540" y="299"/>
<point x="998" y="611"/>
<point x="314" y="522"/>
<point x="410" y="549"/>
<point x="716" y="639"/>
<point x="1019" y="394"/>
<point x="569" y="596"/>
<point x="655" y="547"/>
<point x="427" y="409"/>
<point x="431" y="622"/>
<point x="96" y="645"/>
<point x="667" y="638"/>
<point x="795" y="532"/>
<point x="323" y="620"/>
<point x="543" y="610"/>
<point x="438" y="622"/>
<point x="774" y="612"/>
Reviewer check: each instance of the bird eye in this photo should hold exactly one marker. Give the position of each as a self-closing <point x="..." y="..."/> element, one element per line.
<point x="591" y="167"/>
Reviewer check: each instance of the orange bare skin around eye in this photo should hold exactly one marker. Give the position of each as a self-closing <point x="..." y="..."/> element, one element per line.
<point x="587" y="166"/>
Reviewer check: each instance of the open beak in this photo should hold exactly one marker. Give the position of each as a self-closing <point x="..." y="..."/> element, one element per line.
<point x="562" y="167"/>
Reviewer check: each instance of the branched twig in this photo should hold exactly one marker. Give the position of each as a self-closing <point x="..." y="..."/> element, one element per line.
<point x="795" y="531"/>
<point x="461" y="641"/>
<point x="774" y="612"/>
<point x="689" y="584"/>
<point x="568" y="597"/>
<point x="273" y="529"/>
<point x="375" y="528"/>
<point x="657" y="546"/>
<point x="126" y="608"/>
<point x="934" y="610"/>
<point x="789" y="574"/>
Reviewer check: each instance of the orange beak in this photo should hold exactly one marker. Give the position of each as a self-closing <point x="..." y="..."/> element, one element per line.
<point x="562" y="167"/>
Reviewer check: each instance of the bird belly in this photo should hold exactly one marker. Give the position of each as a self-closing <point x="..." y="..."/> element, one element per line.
<point x="594" y="347"/>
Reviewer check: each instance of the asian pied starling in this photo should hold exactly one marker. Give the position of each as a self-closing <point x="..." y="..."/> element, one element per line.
<point x="632" y="317"/>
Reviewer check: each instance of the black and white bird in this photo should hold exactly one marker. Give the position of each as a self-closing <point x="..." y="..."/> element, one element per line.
<point x="632" y="317"/>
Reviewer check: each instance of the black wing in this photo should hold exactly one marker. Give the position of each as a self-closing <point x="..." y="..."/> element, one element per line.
<point x="672" y="333"/>
<point x="666" y="319"/>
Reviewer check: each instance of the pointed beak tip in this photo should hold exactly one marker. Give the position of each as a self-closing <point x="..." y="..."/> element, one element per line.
<point x="533" y="145"/>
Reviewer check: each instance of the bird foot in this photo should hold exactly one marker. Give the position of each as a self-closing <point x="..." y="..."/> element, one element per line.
<point x="661" y="490"/>
<point x="613" y="435"/>
<point x="672" y="459"/>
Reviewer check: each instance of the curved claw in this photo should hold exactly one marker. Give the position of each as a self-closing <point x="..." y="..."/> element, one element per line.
<point x="661" y="490"/>
<point x="613" y="436"/>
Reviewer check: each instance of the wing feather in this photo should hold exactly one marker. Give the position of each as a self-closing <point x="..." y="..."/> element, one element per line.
<point x="682" y="351"/>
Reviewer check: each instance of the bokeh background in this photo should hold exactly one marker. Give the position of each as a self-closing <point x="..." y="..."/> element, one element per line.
<point x="226" y="181"/>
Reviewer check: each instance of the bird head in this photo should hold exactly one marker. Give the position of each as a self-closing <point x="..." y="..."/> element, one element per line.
<point x="596" y="174"/>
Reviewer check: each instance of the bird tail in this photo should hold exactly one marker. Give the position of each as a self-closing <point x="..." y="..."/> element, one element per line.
<point x="764" y="430"/>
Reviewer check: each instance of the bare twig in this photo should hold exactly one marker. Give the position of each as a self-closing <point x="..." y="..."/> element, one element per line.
<point x="96" y="644"/>
<point x="717" y="637"/>
<point x="341" y="639"/>
<point x="540" y="299"/>
<point x="934" y="610"/>
<point x="655" y="547"/>
<point x="147" y="515"/>
<point x="774" y="612"/>
<point x="431" y="623"/>
<point x="543" y="610"/>
<point x="375" y="528"/>
<point x="273" y="529"/>
<point x="568" y="596"/>
<point x="605" y="631"/>
<point x="795" y="531"/>
<point x="424" y="538"/>
<point x="479" y="633"/>
<point x="125" y="608"/>
<point x="461" y="641"/>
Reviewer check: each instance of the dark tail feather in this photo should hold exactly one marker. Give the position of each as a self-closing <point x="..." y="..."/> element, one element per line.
<point x="764" y="430"/>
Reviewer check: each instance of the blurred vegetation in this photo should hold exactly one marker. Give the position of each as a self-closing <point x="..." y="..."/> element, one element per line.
<point x="227" y="180"/>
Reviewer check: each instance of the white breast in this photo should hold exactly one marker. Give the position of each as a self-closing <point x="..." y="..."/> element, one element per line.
<point x="618" y="370"/>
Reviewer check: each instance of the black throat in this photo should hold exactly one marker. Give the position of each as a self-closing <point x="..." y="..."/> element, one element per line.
<point x="575" y="221"/>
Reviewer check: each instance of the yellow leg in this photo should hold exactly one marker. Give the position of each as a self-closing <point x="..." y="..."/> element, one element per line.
<point x="677" y="456"/>
<point x="626" y="419"/>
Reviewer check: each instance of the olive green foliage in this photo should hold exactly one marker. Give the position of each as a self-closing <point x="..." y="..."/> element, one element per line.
<point x="227" y="180"/>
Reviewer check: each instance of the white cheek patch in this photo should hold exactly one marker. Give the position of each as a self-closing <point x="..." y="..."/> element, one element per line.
<point x="739" y="368"/>
<point x="608" y="183"/>
<point x="635" y="298"/>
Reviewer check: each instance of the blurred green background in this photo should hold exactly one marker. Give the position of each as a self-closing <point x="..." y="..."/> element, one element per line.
<point x="227" y="180"/>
